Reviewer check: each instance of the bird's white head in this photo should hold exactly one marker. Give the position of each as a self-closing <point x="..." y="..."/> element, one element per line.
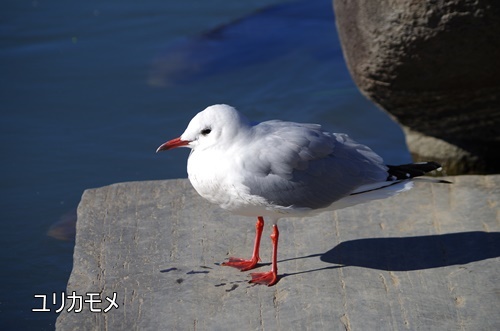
<point x="216" y="125"/>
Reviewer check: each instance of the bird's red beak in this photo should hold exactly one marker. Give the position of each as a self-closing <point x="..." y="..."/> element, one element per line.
<point x="174" y="143"/>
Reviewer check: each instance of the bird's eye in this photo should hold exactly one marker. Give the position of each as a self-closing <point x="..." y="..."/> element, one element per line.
<point x="205" y="131"/>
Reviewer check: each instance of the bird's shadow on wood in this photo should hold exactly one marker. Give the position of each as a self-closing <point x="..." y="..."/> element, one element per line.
<point x="413" y="253"/>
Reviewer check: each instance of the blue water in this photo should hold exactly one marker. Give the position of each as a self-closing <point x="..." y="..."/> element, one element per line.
<point x="90" y="89"/>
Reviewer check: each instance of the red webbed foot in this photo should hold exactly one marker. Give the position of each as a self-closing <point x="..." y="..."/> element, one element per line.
<point x="264" y="278"/>
<point x="241" y="264"/>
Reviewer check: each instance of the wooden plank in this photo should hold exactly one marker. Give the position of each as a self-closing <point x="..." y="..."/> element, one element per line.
<point x="426" y="259"/>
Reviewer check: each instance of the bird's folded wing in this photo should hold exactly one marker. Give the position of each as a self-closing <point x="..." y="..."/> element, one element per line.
<point x="299" y="165"/>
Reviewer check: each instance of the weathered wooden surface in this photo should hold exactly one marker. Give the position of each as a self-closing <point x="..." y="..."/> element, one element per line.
<point x="427" y="259"/>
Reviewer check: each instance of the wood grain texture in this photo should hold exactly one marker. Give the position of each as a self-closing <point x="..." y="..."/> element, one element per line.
<point x="427" y="259"/>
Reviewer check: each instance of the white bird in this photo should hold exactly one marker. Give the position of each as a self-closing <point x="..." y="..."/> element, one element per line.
<point x="282" y="169"/>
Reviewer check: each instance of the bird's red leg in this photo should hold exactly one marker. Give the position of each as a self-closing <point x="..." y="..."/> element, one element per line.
<point x="271" y="277"/>
<point x="242" y="264"/>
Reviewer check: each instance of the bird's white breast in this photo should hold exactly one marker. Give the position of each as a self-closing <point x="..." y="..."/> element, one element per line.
<point x="219" y="180"/>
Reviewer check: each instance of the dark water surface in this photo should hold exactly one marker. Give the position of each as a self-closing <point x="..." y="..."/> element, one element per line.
<point x="90" y="89"/>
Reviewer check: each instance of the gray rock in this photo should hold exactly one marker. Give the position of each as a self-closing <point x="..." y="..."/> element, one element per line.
<point x="433" y="65"/>
<point x="425" y="260"/>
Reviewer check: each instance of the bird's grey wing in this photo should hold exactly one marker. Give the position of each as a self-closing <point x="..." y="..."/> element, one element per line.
<point x="299" y="165"/>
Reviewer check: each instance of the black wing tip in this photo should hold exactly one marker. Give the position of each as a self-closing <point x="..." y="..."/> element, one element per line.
<point x="411" y="170"/>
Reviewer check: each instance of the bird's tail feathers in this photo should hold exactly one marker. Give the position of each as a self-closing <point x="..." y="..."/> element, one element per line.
<point x="400" y="179"/>
<point x="411" y="170"/>
<point x="367" y="193"/>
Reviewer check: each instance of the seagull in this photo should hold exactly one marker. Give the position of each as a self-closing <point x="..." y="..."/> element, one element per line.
<point x="277" y="169"/>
